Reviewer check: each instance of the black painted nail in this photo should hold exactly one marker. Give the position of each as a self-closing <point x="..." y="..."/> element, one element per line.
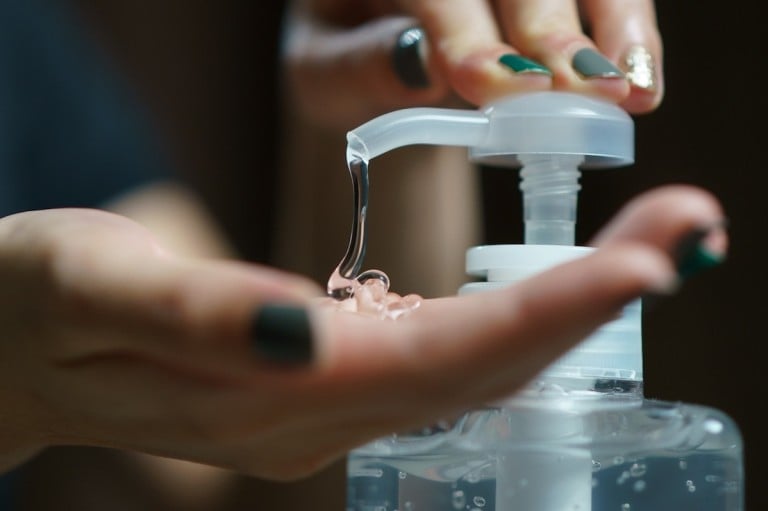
<point x="692" y="256"/>
<point x="408" y="59"/>
<point x="590" y="64"/>
<point x="282" y="333"/>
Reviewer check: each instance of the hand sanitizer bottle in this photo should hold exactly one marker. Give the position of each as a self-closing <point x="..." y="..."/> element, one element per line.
<point x="581" y="436"/>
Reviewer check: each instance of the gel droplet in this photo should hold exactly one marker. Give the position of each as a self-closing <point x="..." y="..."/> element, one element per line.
<point x="637" y="469"/>
<point x="458" y="499"/>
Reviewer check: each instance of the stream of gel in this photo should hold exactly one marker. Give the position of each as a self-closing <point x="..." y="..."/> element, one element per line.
<point x="365" y="292"/>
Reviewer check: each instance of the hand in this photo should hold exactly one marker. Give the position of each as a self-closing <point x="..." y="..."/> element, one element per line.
<point x="102" y="327"/>
<point x="109" y="340"/>
<point x="339" y="53"/>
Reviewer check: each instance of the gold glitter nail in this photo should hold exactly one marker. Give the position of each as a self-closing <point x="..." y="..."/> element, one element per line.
<point x="639" y="67"/>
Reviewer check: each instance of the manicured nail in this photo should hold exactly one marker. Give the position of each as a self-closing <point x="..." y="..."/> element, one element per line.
<point x="589" y="65"/>
<point x="639" y="68"/>
<point x="408" y="58"/>
<point x="522" y="65"/>
<point x="282" y="333"/>
<point x="697" y="251"/>
<point x="694" y="253"/>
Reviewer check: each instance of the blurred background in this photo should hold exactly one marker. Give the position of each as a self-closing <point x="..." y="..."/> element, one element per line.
<point x="207" y="74"/>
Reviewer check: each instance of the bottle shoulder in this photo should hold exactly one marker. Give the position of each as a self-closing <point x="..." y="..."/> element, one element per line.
<point x="602" y="425"/>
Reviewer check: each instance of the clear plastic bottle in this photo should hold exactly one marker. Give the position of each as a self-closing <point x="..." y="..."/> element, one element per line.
<point x="581" y="436"/>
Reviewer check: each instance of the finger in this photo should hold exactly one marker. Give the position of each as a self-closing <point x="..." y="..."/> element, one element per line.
<point x="664" y="216"/>
<point x="117" y="291"/>
<point x="627" y="33"/>
<point x="180" y="311"/>
<point x="550" y="31"/>
<point x="467" y="45"/>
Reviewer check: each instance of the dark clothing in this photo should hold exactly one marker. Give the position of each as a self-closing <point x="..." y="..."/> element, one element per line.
<point x="70" y="133"/>
<point x="6" y="502"/>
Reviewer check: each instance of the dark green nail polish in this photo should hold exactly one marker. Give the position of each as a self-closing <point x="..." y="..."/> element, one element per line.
<point x="590" y="64"/>
<point x="282" y="333"/>
<point x="692" y="257"/>
<point x="522" y="65"/>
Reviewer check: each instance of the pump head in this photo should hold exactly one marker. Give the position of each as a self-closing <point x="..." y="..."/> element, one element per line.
<point x="539" y="123"/>
<point x="550" y="134"/>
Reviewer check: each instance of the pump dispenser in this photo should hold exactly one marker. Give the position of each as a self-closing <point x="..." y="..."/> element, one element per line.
<point x="550" y="134"/>
<point x="581" y="436"/>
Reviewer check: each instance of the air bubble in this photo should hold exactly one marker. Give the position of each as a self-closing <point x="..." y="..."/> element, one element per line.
<point x="713" y="426"/>
<point x="458" y="499"/>
<point x="472" y="477"/>
<point x="623" y="478"/>
<point x="637" y="470"/>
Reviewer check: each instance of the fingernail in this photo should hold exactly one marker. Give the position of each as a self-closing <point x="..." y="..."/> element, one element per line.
<point x="408" y="58"/>
<point x="523" y="65"/>
<point x="589" y="65"/>
<point x="282" y="333"/>
<point x="699" y="250"/>
<point x="639" y="68"/>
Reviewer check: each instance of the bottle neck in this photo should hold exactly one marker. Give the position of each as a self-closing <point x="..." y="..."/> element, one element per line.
<point x="607" y="365"/>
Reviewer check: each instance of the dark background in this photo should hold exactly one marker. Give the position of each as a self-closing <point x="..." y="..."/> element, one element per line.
<point x="208" y="71"/>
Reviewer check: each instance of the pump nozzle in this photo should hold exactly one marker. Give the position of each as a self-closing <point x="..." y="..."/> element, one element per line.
<point x="550" y="134"/>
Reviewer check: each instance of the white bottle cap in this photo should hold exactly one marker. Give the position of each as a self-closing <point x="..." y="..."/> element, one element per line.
<point x="614" y="351"/>
<point x="556" y="123"/>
